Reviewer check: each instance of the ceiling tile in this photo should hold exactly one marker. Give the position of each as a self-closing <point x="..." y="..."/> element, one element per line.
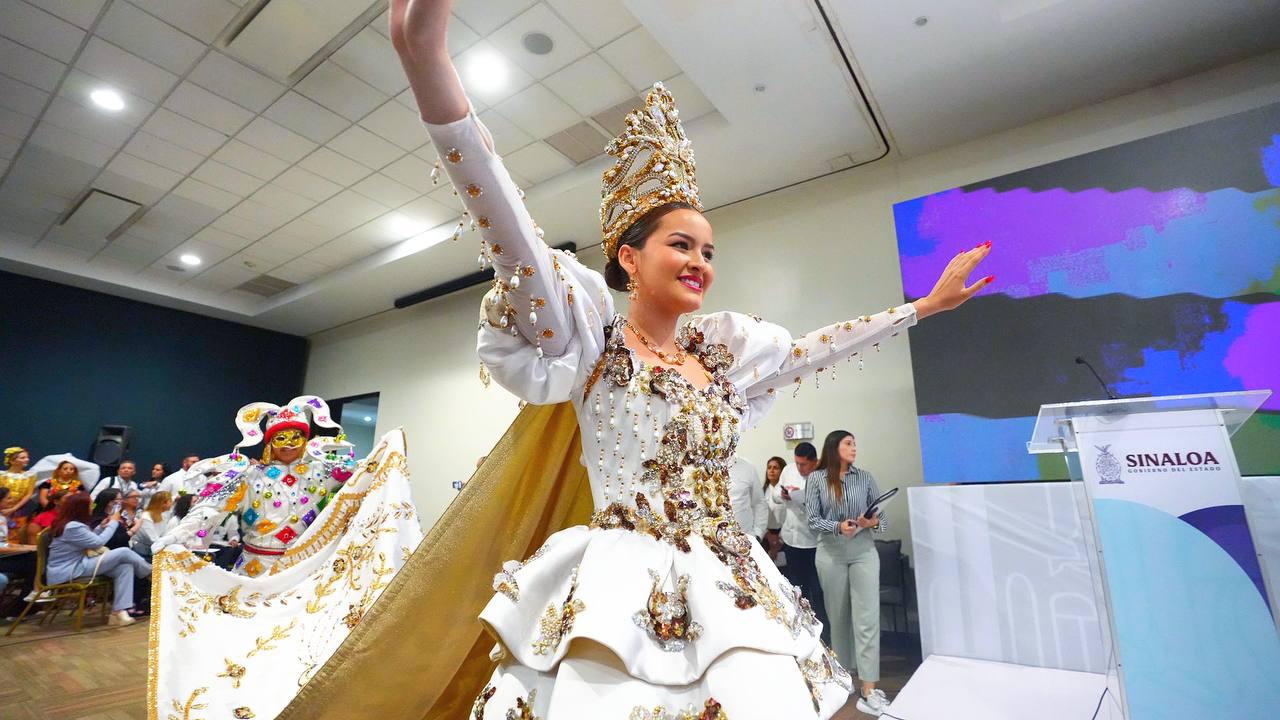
<point x="300" y="270"/>
<point x="144" y="172"/>
<point x="430" y="213"/>
<point x="340" y="91"/>
<point x="206" y="194"/>
<point x="77" y="147"/>
<point x="127" y="187"/>
<point x="196" y="103"/>
<point x="40" y="31"/>
<point x="125" y="70"/>
<point x="385" y="190"/>
<point x="460" y="36"/>
<point x="181" y="131"/>
<point x="15" y="125"/>
<point x="369" y="56"/>
<point x="445" y="197"/>
<point x="9" y="147"/>
<point x="590" y="85"/>
<point x="640" y="59"/>
<point x="227" y="178"/>
<point x="203" y="18"/>
<point x="307" y="184"/>
<point x="413" y="171"/>
<point x="21" y="97"/>
<point x="481" y="55"/>
<point x="213" y="236"/>
<point x="240" y="227"/>
<point x="566" y="45"/>
<point x="264" y="216"/>
<point x="344" y="211"/>
<point x="537" y="111"/>
<point x="314" y="235"/>
<point x="506" y="136"/>
<point x="163" y="153"/>
<point x="692" y="103"/>
<point x="223" y="276"/>
<point x="143" y="35"/>
<point x="208" y="253"/>
<point x="597" y="21"/>
<point x="49" y="171"/>
<point x="238" y="83"/>
<point x="78" y="119"/>
<point x="177" y="212"/>
<point x="124" y="258"/>
<point x="29" y="66"/>
<point x="485" y="16"/>
<point x="80" y="13"/>
<point x="398" y="124"/>
<point x="332" y="166"/>
<point x="250" y="160"/>
<point x="281" y="142"/>
<point x="538" y="162"/>
<point x="365" y="148"/>
<point x="306" y="117"/>
<point x="284" y="238"/>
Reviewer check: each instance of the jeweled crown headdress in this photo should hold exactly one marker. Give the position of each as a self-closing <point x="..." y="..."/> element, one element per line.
<point x="654" y="167"/>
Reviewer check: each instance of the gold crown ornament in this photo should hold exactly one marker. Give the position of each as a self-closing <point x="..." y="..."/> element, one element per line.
<point x="654" y="167"/>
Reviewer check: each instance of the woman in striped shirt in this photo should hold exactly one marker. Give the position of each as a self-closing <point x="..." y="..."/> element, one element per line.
<point x="836" y="496"/>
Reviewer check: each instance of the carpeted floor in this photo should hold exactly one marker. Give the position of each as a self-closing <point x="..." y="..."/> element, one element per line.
<point x="53" y="673"/>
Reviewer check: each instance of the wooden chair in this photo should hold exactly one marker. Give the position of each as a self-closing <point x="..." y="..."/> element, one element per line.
<point x="78" y="588"/>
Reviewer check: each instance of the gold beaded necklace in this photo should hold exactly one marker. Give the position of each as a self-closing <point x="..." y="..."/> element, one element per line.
<point x="674" y="360"/>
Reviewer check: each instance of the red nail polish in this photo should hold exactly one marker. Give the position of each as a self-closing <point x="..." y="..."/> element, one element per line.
<point x="987" y="243"/>
<point x="990" y="279"/>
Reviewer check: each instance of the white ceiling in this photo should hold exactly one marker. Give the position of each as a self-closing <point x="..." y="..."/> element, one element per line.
<point x="322" y="177"/>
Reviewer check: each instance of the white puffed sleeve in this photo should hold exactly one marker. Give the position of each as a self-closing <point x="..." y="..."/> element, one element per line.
<point x="543" y="327"/>
<point x="767" y="359"/>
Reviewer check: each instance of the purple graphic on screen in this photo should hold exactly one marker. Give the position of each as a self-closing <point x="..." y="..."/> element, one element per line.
<point x="1225" y="525"/>
<point x="1271" y="161"/>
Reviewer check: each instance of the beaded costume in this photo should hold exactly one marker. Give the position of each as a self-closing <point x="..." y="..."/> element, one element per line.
<point x="662" y="607"/>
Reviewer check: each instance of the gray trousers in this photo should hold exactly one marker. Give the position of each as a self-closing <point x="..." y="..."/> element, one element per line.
<point x="122" y="565"/>
<point x="849" y="572"/>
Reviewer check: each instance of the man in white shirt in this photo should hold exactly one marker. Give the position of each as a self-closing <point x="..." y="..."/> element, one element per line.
<point x="122" y="480"/>
<point x="799" y="542"/>
<point x="175" y="483"/>
<point x="746" y="498"/>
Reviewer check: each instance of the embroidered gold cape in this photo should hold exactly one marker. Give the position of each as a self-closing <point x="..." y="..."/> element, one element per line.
<point x="420" y="653"/>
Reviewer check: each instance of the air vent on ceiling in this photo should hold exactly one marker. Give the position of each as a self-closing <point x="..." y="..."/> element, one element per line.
<point x="614" y="120"/>
<point x="266" y="286"/>
<point x="579" y="143"/>
<point x="98" y="218"/>
<point x="288" y="38"/>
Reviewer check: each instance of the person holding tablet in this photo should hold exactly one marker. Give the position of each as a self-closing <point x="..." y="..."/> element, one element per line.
<point x="837" y="498"/>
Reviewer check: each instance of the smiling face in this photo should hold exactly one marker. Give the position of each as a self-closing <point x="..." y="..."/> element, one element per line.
<point x="673" y="269"/>
<point x="19" y="462"/>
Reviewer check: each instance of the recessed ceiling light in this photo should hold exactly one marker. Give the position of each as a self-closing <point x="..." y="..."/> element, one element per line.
<point x="107" y="99"/>
<point x="487" y="72"/>
<point x="189" y="260"/>
<point x="922" y="21"/>
<point x="538" y="43"/>
<point x="368" y="419"/>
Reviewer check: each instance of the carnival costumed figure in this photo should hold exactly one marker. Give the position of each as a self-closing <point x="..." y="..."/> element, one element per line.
<point x="277" y="497"/>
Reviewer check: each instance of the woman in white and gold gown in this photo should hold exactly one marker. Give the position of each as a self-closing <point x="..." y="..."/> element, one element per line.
<point x="662" y="607"/>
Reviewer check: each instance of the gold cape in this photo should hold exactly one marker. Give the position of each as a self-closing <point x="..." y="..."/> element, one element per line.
<point x="421" y="653"/>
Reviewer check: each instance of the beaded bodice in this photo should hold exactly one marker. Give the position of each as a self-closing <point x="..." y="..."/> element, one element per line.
<point x="650" y="437"/>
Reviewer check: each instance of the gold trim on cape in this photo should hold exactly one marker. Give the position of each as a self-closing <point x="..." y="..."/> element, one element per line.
<point x="421" y="652"/>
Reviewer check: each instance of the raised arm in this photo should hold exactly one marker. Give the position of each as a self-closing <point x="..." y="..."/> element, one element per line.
<point x="418" y="29"/>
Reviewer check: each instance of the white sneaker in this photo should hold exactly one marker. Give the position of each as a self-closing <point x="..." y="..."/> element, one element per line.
<point x="120" y="618"/>
<point x="31" y="596"/>
<point x="874" y="704"/>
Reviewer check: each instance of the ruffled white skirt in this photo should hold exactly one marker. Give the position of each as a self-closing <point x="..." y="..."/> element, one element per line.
<point x="613" y="623"/>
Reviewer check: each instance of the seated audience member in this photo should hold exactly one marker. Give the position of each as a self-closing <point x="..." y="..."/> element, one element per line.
<point x="18" y="485"/>
<point x="152" y="521"/>
<point x="151" y="485"/>
<point x="181" y="507"/>
<point x="43" y="520"/>
<point x="108" y="506"/>
<point x="76" y="552"/>
<point x="175" y="483"/>
<point x="123" y="480"/>
<point x="66" y="477"/>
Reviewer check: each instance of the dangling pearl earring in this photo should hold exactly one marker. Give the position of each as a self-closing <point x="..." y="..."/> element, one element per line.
<point x="632" y="289"/>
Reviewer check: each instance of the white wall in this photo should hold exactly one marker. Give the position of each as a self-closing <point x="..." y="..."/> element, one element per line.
<point x="802" y="257"/>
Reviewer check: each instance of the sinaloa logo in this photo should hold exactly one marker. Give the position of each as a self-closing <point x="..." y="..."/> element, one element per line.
<point x="1108" y="466"/>
<point x="1174" y="459"/>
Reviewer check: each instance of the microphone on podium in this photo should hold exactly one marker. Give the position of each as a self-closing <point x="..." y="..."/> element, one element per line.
<point x="1107" y="390"/>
